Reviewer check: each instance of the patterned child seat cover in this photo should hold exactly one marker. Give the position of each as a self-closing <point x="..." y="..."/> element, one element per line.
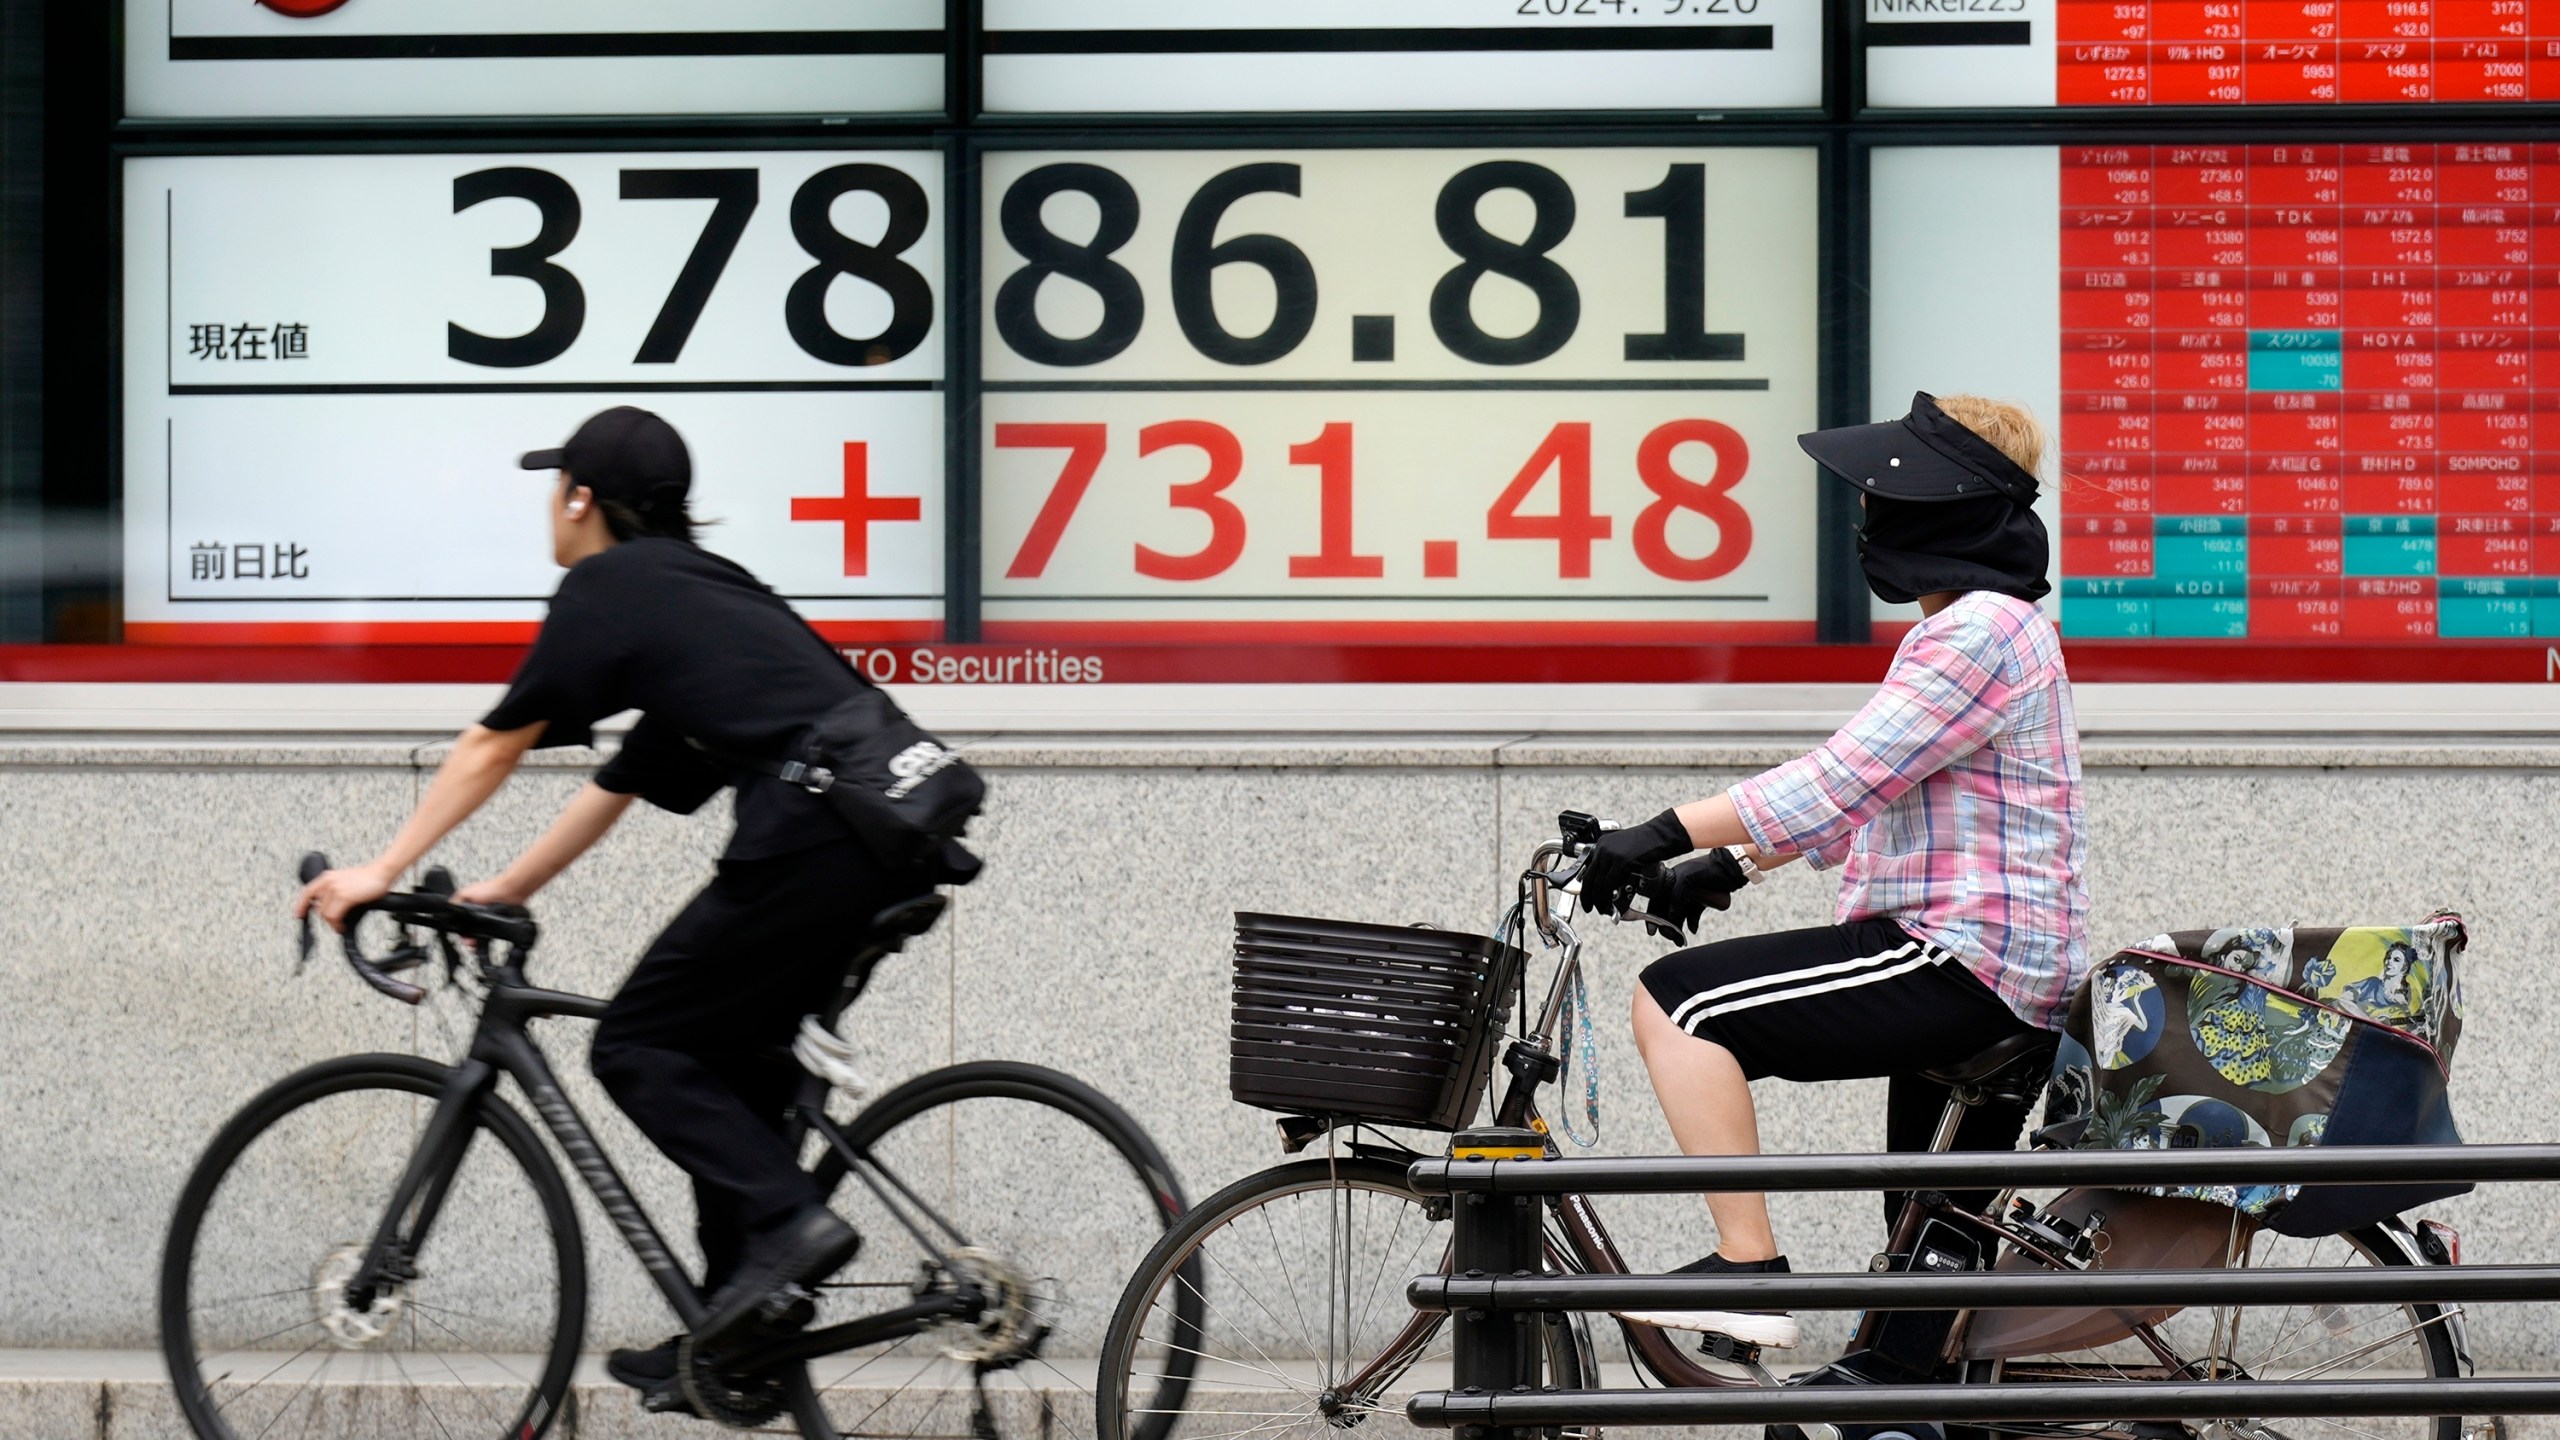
<point x="2242" y="1035"/>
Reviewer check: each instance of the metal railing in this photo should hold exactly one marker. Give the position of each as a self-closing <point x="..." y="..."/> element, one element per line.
<point x="1497" y="1296"/>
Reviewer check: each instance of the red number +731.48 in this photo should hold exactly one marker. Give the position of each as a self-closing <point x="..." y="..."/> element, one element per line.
<point x="1573" y="526"/>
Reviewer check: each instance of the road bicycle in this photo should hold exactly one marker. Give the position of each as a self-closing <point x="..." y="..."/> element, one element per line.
<point x="1280" y="1299"/>
<point x="384" y="1242"/>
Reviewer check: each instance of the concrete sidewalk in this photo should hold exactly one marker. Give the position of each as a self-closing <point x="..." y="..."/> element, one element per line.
<point x="125" y="1395"/>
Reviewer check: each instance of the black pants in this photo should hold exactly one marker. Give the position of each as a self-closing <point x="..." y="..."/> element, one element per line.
<point x="1848" y="1002"/>
<point x="696" y="1046"/>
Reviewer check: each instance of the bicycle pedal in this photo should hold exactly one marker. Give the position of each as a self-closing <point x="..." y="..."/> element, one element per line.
<point x="790" y="1308"/>
<point x="1728" y="1349"/>
<point x="668" y="1399"/>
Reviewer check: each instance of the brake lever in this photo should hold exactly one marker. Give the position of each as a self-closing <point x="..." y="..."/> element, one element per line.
<point x="1663" y="927"/>
<point x="1653" y="887"/>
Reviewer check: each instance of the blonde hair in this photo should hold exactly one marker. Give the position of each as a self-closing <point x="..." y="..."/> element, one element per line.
<point x="2010" y="428"/>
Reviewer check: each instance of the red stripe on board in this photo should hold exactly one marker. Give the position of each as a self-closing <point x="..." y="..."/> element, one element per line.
<point x="1560" y="664"/>
<point x="2130" y="662"/>
<point x="332" y="632"/>
<point x="259" y="664"/>
<point x="1353" y="634"/>
<point x="518" y="633"/>
<point x="1562" y="660"/>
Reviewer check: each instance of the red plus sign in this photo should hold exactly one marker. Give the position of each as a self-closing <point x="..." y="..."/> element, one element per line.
<point x="857" y="508"/>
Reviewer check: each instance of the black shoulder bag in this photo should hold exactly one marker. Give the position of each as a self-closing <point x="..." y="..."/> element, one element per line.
<point x="905" y="795"/>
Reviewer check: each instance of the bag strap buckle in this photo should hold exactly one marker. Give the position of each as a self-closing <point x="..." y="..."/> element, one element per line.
<point x="816" y="779"/>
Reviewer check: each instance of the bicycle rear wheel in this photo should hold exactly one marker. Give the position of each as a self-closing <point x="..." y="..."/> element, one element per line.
<point x="2279" y="1342"/>
<point x="1282" y="1299"/>
<point x="1046" y="1191"/>
<point x="261" y="1334"/>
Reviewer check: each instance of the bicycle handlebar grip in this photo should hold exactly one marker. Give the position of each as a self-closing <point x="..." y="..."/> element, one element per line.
<point x="314" y="865"/>
<point x="1655" y="886"/>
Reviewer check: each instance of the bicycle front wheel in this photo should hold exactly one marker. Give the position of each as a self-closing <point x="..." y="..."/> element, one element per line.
<point x="260" y="1326"/>
<point x="1282" y="1299"/>
<point x="1039" y="1187"/>
<point x="2282" y="1342"/>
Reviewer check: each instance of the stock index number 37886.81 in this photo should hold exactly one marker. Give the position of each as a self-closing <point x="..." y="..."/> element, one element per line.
<point x="1524" y="254"/>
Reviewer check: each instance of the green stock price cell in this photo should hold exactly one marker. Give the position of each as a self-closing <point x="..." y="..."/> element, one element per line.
<point x="2297" y="360"/>
<point x="2390" y="545"/>
<point x="2498" y="608"/>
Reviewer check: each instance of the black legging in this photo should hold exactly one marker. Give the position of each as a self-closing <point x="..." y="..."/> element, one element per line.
<point x="696" y="1046"/>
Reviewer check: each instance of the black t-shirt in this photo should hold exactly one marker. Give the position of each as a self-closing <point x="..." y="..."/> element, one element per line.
<point x="705" y="652"/>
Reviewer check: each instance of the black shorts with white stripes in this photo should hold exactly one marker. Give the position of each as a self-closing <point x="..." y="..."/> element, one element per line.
<point x="1838" y="1002"/>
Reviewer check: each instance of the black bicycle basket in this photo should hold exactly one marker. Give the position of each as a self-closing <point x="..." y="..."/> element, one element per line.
<point x="1389" y="1023"/>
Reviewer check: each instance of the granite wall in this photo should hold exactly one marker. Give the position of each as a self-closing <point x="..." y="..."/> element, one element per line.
<point x="147" y="986"/>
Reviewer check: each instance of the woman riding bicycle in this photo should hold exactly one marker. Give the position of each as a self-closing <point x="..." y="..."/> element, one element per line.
<point x="694" y="1047"/>
<point x="1952" y="804"/>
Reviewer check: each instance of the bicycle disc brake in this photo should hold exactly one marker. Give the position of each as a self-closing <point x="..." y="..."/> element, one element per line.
<point x="999" y="1335"/>
<point x="349" y="1328"/>
<point x="737" y="1401"/>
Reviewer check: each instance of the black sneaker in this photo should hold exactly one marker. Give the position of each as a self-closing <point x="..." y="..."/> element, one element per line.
<point x="1775" y="1329"/>
<point x="652" y="1372"/>
<point x="1858" y="1367"/>
<point x="772" y="1285"/>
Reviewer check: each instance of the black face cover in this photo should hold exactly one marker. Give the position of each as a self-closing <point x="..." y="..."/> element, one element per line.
<point x="1912" y="548"/>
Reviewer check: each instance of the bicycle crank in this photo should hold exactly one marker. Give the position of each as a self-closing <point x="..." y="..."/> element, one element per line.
<point x="737" y="1401"/>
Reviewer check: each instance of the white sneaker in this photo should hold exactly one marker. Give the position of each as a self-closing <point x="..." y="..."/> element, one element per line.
<point x="1774" y="1329"/>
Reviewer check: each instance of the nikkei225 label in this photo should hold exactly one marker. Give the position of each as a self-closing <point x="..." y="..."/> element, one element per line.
<point x="1316" y="393"/>
<point x="333" y="361"/>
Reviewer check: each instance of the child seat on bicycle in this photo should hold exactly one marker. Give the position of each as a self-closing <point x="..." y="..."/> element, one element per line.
<point x="1951" y="804"/>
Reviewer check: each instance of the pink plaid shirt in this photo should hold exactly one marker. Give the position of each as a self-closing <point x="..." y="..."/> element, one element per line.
<point x="1954" y="800"/>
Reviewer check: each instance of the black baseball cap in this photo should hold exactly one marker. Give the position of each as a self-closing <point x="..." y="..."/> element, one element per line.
<point x="1926" y="455"/>
<point x="625" y="454"/>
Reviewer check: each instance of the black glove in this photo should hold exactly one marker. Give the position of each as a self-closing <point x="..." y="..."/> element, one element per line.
<point x="1704" y="884"/>
<point x="1619" y="859"/>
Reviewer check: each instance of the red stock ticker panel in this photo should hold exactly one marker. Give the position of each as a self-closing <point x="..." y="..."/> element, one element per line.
<point x="2306" y="52"/>
<point x="2309" y="392"/>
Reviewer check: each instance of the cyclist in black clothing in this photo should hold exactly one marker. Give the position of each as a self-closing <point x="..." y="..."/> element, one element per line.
<point x="695" y="1046"/>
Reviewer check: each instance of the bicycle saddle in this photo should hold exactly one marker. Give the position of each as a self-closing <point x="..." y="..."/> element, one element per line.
<point x="906" y="920"/>
<point x="2017" y="1065"/>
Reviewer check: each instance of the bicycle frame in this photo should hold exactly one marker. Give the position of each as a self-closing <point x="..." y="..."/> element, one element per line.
<point x="1530" y="1061"/>
<point x="501" y="1046"/>
<point x="1585" y="1239"/>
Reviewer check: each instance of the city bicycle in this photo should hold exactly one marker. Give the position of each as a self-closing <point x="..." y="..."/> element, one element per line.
<point x="1280" y="1299"/>
<point x="388" y="1233"/>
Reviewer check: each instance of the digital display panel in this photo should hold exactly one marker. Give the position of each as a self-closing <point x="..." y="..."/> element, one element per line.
<point x="1936" y="53"/>
<point x="2301" y="388"/>
<point x="1314" y="395"/>
<point x="332" y="362"/>
<point x="2304" y="385"/>
<point x="1176" y="56"/>
<point x="291" y="59"/>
